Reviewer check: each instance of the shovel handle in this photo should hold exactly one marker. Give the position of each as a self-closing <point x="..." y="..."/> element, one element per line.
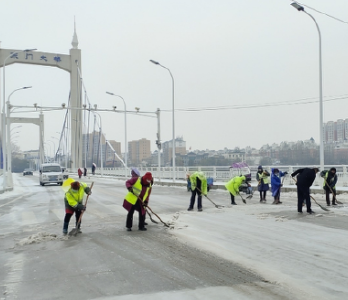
<point x="79" y="221"/>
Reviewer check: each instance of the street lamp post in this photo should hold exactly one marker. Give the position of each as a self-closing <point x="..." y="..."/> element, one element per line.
<point x="50" y="151"/>
<point x="3" y="124"/>
<point x="7" y="145"/>
<point x="55" y="154"/>
<point x="301" y="8"/>
<point x="158" y="141"/>
<point x="173" y="119"/>
<point x="101" y="147"/>
<point x="125" y="131"/>
<point x="54" y="150"/>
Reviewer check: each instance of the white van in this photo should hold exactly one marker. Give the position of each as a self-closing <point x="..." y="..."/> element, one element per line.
<point x="51" y="173"/>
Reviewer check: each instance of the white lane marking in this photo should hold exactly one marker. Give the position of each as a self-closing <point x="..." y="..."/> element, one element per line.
<point x="14" y="200"/>
<point x="59" y="213"/>
<point x="14" y="275"/>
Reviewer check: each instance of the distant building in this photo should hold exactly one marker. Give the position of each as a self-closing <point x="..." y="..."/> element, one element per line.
<point x="138" y="151"/>
<point x="91" y="145"/>
<point x="336" y="131"/>
<point x="180" y="148"/>
<point x="31" y="154"/>
<point x="110" y="158"/>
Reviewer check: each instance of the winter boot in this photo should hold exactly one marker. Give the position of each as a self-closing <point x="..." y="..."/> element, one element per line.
<point x="233" y="203"/>
<point x="65" y="228"/>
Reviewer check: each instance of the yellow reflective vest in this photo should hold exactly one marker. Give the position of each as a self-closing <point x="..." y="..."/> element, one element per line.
<point x="264" y="177"/>
<point x="73" y="198"/>
<point x="332" y="179"/>
<point x="137" y="188"/>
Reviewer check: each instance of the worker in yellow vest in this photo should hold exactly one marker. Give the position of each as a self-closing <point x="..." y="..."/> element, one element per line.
<point x="329" y="184"/>
<point x="199" y="186"/>
<point x="233" y="186"/>
<point x="139" y="190"/>
<point x="73" y="201"/>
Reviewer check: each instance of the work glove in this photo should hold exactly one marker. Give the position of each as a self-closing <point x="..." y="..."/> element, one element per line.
<point x="293" y="175"/>
<point x="285" y="173"/>
<point x="88" y="191"/>
<point x="145" y="204"/>
<point x="81" y="207"/>
<point x="281" y="185"/>
<point x="322" y="173"/>
<point x="130" y="189"/>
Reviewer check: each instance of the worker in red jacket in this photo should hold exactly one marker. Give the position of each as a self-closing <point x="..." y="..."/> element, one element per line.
<point x="139" y="190"/>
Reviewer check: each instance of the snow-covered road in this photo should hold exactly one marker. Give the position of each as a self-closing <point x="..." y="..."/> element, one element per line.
<point x="248" y="251"/>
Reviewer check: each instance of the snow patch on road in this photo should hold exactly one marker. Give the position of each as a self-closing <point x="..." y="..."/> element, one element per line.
<point x="38" y="238"/>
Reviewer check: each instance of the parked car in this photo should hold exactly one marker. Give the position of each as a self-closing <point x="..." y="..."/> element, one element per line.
<point x="51" y="173"/>
<point x="27" y="172"/>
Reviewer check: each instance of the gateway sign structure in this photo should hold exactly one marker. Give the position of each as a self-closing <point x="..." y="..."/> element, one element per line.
<point x="68" y="62"/>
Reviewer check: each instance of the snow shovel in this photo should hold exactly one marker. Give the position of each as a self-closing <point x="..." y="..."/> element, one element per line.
<point x="339" y="202"/>
<point x="322" y="207"/>
<point x="242" y="198"/>
<point x="216" y="205"/>
<point x="75" y="230"/>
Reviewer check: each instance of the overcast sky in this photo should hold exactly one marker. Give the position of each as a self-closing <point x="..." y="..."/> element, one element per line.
<point x="222" y="53"/>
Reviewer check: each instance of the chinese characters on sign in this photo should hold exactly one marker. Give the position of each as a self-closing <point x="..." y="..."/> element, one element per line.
<point x="30" y="56"/>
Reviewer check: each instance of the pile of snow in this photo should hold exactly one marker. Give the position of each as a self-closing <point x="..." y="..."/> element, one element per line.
<point x="37" y="238"/>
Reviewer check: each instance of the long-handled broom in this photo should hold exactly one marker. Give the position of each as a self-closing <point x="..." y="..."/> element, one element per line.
<point x="216" y="205"/>
<point x="147" y="208"/>
<point x="339" y="202"/>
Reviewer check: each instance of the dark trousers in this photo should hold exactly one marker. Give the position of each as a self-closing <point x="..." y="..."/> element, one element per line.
<point x="129" y="222"/>
<point x="302" y="196"/>
<point x="277" y="195"/>
<point x="232" y="198"/>
<point x="328" y="196"/>
<point x="193" y="198"/>
<point x="69" y="215"/>
<point x="264" y="195"/>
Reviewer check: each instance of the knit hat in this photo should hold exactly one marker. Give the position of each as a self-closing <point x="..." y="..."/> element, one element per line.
<point x="147" y="178"/>
<point x="75" y="185"/>
<point x="259" y="167"/>
<point x="135" y="172"/>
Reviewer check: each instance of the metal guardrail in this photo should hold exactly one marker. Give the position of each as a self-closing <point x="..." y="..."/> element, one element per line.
<point x="225" y="173"/>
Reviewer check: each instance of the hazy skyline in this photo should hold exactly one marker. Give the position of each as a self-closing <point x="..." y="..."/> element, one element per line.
<point x="222" y="54"/>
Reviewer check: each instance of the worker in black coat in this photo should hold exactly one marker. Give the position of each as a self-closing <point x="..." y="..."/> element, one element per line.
<point x="305" y="179"/>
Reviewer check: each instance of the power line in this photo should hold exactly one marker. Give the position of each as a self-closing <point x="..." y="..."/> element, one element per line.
<point x="320" y="12"/>
<point x="273" y="104"/>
